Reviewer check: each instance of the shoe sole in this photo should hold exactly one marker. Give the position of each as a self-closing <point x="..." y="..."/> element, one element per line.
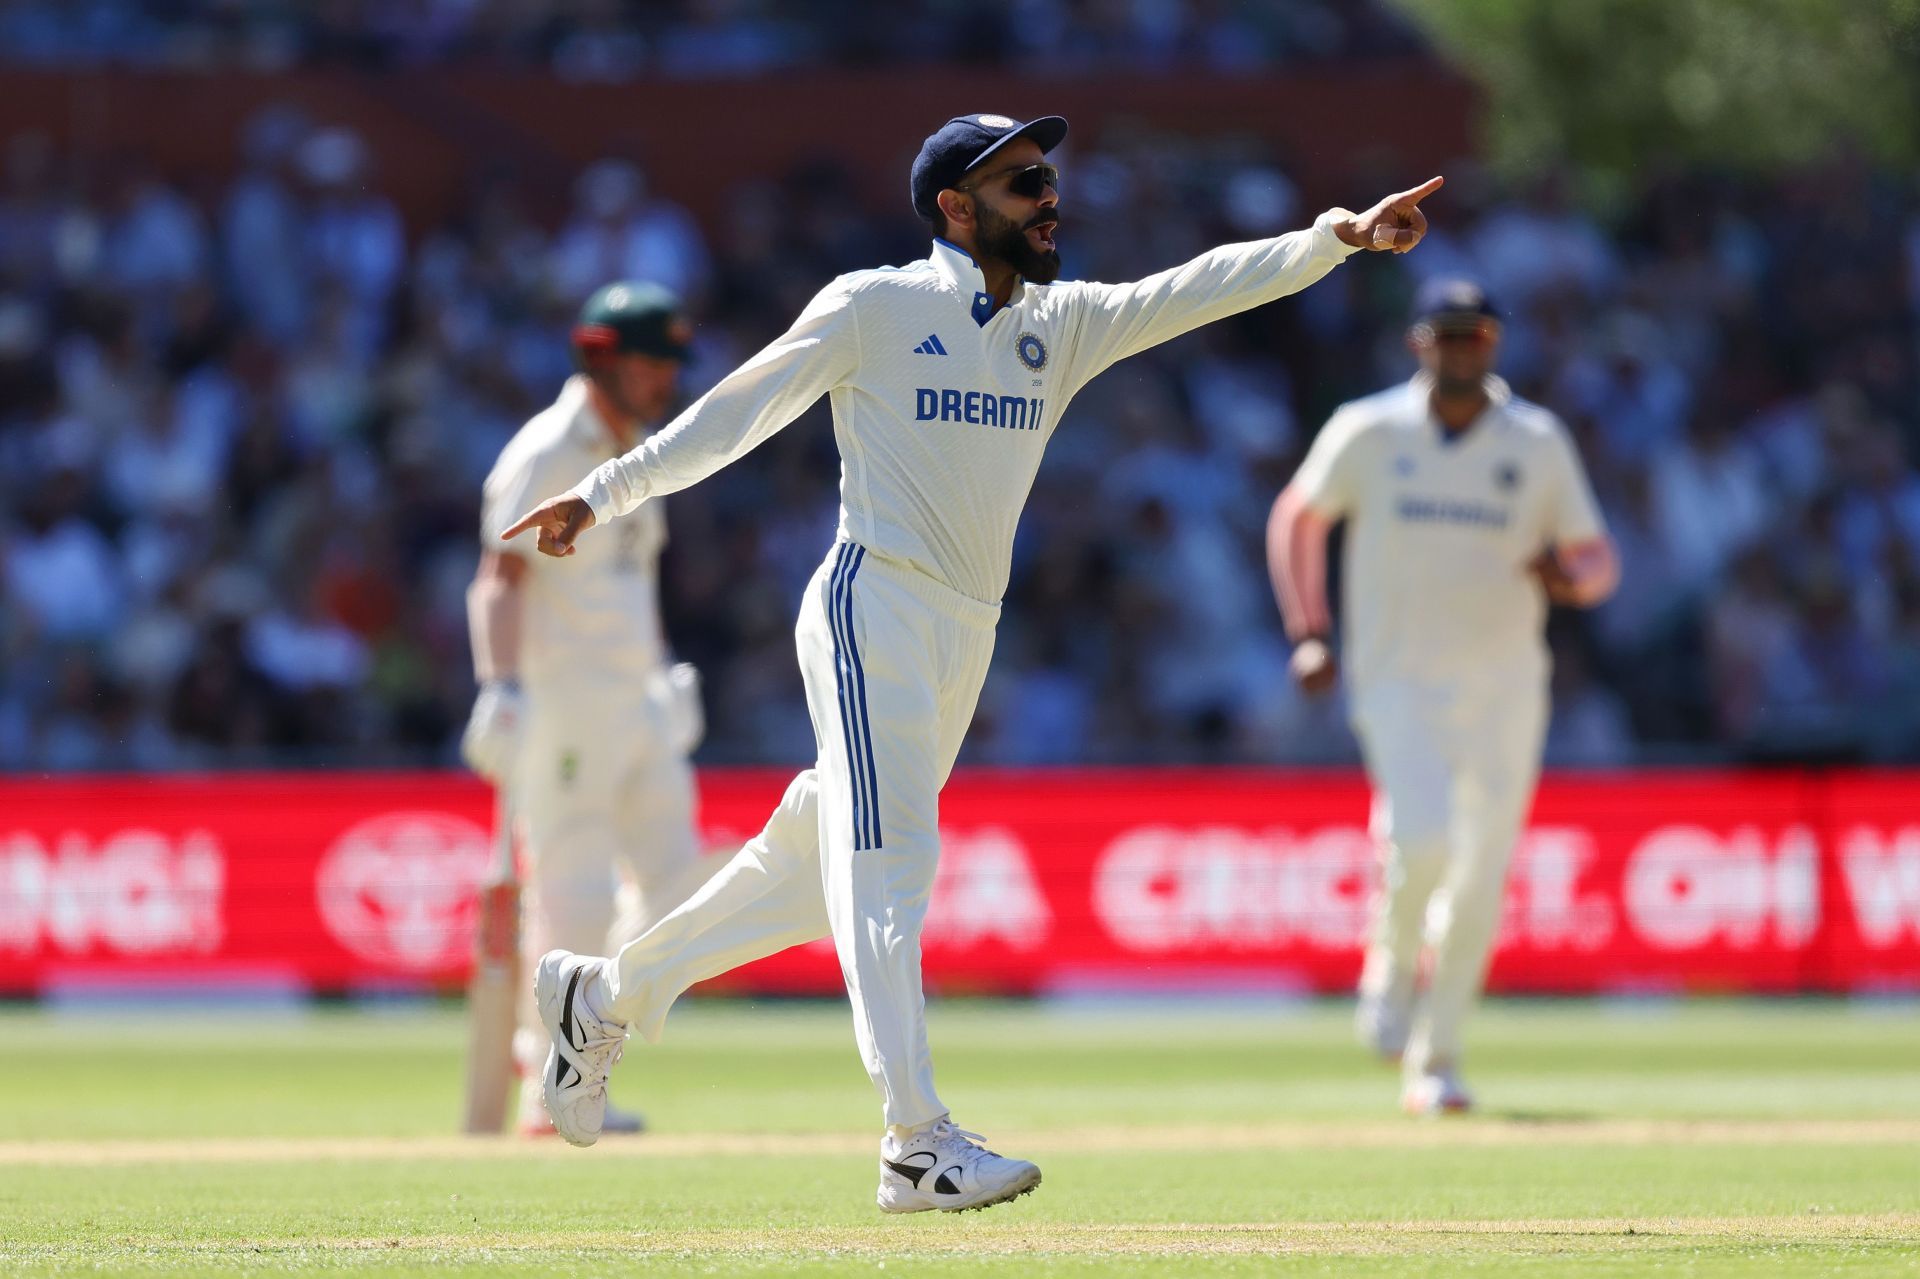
<point x="1006" y="1195"/>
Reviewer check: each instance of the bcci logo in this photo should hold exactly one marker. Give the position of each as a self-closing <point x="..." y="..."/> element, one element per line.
<point x="1507" y="476"/>
<point x="994" y="121"/>
<point x="1032" y="351"/>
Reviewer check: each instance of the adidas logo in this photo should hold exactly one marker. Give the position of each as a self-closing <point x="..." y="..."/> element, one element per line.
<point x="930" y="347"/>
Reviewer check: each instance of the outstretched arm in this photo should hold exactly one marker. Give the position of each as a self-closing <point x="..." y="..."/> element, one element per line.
<point x="820" y="352"/>
<point x="1124" y="319"/>
<point x="1394" y="225"/>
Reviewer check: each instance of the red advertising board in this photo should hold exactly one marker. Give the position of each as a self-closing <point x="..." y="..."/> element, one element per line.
<point x="1049" y="881"/>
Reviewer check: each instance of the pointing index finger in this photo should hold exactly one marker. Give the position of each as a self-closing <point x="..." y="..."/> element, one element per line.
<point x="1407" y="199"/>
<point x="524" y="523"/>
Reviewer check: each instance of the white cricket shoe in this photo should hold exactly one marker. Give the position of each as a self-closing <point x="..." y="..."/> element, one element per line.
<point x="536" y="1122"/>
<point x="1436" y="1090"/>
<point x="573" y="1083"/>
<point x="949" y="1169"/>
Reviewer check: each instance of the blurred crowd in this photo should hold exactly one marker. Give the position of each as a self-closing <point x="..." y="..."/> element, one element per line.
<point x="243" y="430"/>
<point x="622" y="40"/>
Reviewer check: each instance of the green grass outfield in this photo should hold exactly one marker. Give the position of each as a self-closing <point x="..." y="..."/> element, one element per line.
<point x="1688" y="1139"/>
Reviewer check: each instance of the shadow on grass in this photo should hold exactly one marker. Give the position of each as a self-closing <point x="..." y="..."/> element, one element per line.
<point x="1523" y="1118"/>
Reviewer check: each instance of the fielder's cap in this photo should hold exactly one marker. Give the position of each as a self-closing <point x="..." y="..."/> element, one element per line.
<point x="633" y="317"/>
<point x="965" y="141"/>
<point x="1452" y="304"/>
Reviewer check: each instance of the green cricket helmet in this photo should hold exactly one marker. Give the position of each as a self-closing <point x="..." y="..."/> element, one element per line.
<point x="632" y="317"/>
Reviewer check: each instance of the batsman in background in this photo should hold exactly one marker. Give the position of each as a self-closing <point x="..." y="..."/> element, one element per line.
<point x="1467" y="511"/>
<point x="580" y="717"/>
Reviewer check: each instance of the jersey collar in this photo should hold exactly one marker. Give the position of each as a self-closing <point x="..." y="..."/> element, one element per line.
<point x="1499" y="395"/>
<point x="957" y="267"/>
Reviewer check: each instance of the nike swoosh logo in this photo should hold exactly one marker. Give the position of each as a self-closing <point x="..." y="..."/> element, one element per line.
<point x="566" y="1031"/>
<point x="913" y="1172"/>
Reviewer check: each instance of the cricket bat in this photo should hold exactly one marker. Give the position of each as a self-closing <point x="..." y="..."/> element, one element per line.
<point x="493" y="993"/>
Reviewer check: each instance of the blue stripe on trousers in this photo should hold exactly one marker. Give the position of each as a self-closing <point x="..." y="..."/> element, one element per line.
<point x="842" y="678"/>
<point x="850" y="683"/>
<point x="860" y="709"/>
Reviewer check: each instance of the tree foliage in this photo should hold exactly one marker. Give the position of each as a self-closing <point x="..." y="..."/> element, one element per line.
<point x="1612" y="85"/>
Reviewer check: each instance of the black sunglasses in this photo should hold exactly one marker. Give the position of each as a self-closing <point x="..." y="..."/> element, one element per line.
<point x="1029" y="183"/>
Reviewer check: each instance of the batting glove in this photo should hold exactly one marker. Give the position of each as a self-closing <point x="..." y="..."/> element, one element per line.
<point x="689" y="718"/>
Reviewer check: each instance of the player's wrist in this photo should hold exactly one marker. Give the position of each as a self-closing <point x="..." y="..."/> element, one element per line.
<point x="1344" y="226"/>
<point x="596" y="492"/>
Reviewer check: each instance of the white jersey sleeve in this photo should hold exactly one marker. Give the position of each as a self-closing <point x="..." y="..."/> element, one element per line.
<point x="1114" y="321"/>
<point x="1329" y="480"/>
<point x="820" y="352"/>
<point x="1574" y="513"/>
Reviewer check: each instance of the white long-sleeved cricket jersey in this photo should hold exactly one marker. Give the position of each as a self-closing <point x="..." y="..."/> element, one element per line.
<point x="943" y="405"/>
<point x="1440" y="529"/>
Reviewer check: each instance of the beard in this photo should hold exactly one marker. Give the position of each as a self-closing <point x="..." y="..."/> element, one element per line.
<point x="1004" y="240"/>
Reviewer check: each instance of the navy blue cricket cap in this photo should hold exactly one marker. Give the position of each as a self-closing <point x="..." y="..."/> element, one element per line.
<point x="1452" y="304"/>
<point x="965" y="141"/>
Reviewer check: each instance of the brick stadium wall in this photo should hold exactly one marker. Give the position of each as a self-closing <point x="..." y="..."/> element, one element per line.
<point x="1050" y="881"/>
<point x="433" y="129"/>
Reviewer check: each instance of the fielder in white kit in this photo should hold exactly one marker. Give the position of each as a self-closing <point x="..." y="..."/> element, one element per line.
<point x="580" y="715"/>
<point x="1467" y="510"/>
<point x="946" y="379"/>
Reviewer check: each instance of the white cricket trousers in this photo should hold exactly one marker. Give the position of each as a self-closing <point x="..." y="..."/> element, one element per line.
<point x="1453" y="768"/>
<point x="602" y="800"/>
<point x="893" y="662"/>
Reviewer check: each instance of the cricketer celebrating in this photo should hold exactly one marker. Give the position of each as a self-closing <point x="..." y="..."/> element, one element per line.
<point x="1467" y="510"/>
<point x="580" y="715"/>
<point x="946" y="378"/>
